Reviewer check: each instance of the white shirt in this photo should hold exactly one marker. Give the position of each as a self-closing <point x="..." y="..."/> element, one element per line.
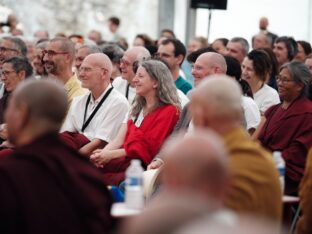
<point x="251" y="112"/>
<point x="122" y="85"/>
<point x="266" y="97"/>
<point x="107" y="120"/>
<point x="183" y="98"/>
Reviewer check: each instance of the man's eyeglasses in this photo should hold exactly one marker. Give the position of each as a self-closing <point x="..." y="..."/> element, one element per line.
<point x="6" y="73"/>
<point x="125" y="62"/>
<point x="5" y="49"/>
<point x="52" y="53"/>
<point x="283" y="79"/>
<point x="90" y="69"/>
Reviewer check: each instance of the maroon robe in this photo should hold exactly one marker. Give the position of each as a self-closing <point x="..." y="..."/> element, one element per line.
<point x="47" y="187"/>
<point x="142" y="142"/>
<point x="289" y="131"/>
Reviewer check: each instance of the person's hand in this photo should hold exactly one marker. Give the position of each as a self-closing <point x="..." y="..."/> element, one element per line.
<point x="6" y="144"/>
<point x="100" y="157"/>
<point x="155" y="164"/>
<point x="3" y="131"/>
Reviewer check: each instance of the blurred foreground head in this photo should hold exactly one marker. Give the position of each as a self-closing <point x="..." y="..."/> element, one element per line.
<point x="36" y="108"/>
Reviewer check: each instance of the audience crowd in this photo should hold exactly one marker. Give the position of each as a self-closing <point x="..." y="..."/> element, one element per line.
<point x="75" y="110"/>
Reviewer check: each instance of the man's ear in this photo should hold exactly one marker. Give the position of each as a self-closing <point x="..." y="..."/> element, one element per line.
<point x="21" y="75"/>
<point x="180" y="58"/>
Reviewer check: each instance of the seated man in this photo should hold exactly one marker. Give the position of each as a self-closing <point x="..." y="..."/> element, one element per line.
<point x="94" y="119"/>
<point x="45" y="186"/>
<point x="14" y="71"/>
<point x="216" y="104"/>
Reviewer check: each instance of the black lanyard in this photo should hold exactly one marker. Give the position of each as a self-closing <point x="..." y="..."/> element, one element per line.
<point x="127" y="90"/>
<point x="86" y="123"/>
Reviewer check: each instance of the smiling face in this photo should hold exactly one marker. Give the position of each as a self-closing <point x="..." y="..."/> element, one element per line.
<point x="281" y="53"/>
<point x="288" y="89"/>
<point x="38" y="62"/>
<point x="54" y="59"/>
<point x="91" y="75"/>
<point x="235" y="50"/>
<point x="202" y="68"/>
<point x="144" y="84"/>
<point x="80" y="56"/>
<point x="248" y="72"/>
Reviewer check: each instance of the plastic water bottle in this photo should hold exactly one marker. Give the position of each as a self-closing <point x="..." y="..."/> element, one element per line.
<point x="280" y="166"/>
<point x="134" y="198"/>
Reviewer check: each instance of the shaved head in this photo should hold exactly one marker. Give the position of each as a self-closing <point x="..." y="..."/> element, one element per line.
<point x="216" y="99"/>
<point x="215" y="59"/>
<point x="207" y="64"/>
<point x="197" y="161"/>
<point x="37" y="94"/>
<point x="100" y="60"/>
<point x="132" y="55"/>
<point x="36" y="107"/>
<point x="138" y="53"/>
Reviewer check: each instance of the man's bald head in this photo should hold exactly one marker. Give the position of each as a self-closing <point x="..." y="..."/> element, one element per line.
<point x="132" y="55"/>
<point x="138" y="53"/>
<point x="197" y="161"/>
<point x="207" y="64"/>
<point x="36" y="106"/>
<point x="215" y="59"/>
<point x="100" y="60"/>
<point x="263" y="23"/>
<point x="216" y="100"/>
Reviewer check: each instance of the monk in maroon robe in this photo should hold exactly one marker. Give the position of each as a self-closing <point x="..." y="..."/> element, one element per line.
<point x="288" y="126"/>
<point x="45" y="185"/>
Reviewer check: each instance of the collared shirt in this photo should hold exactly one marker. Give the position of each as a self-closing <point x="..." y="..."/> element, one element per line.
<point x="73" y="88"/>
<point x="122" y="86"/>
<point x="183" y="85"/>
<point x="107" y="120"/>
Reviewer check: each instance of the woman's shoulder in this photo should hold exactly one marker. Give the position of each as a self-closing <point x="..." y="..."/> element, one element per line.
<point x="266" y="88"/>
<point x="168" y="109"/>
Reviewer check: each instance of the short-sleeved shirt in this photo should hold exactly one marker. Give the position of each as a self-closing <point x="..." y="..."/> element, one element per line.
<point x="73" y="88"/>
<point x="266" y="97"/>
<point x="183" y="85"/>
<point x="107" y="120"/>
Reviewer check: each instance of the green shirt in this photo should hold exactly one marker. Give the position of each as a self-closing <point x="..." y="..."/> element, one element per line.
<point x="183" y="85"/>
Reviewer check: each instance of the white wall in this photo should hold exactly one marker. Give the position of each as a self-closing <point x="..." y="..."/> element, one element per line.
<point x="287" y="17"/>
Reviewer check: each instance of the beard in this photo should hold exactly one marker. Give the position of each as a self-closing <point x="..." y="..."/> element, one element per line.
<point x="50" y="67"/>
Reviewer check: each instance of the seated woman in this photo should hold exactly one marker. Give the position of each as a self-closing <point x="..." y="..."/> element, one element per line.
<point x="255" y="70"/>
<point x="287" y="127"/>
<point x="152" y="118"/>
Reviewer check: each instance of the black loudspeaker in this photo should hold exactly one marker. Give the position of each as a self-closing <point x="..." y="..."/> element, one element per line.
<point x="209" y="4"/>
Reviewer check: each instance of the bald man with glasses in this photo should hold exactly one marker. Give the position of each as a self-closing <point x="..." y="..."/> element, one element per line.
<point x="94" y="118"/>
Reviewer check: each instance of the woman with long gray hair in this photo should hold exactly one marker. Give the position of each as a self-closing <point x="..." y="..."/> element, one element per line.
<point x="287" y="127"/>
<point x="153" y="115"/>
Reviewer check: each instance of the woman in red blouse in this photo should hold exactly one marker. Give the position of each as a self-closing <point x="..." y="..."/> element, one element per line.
<point x="153" y="116"/>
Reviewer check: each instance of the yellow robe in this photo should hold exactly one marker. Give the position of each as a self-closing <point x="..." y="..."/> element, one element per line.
<point x="255" y="184"/>
<point x="305" y="222"/>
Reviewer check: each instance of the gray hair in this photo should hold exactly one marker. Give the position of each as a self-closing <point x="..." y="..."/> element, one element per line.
<point x="166" y="90"/>
<point x="92" y="48"/>
<point x="113" y="51"/>
<point x="300" y="74"/>
<point x="66" y="45"/>
<point x="244" y="43"/>
<point x="18" y="44"/>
